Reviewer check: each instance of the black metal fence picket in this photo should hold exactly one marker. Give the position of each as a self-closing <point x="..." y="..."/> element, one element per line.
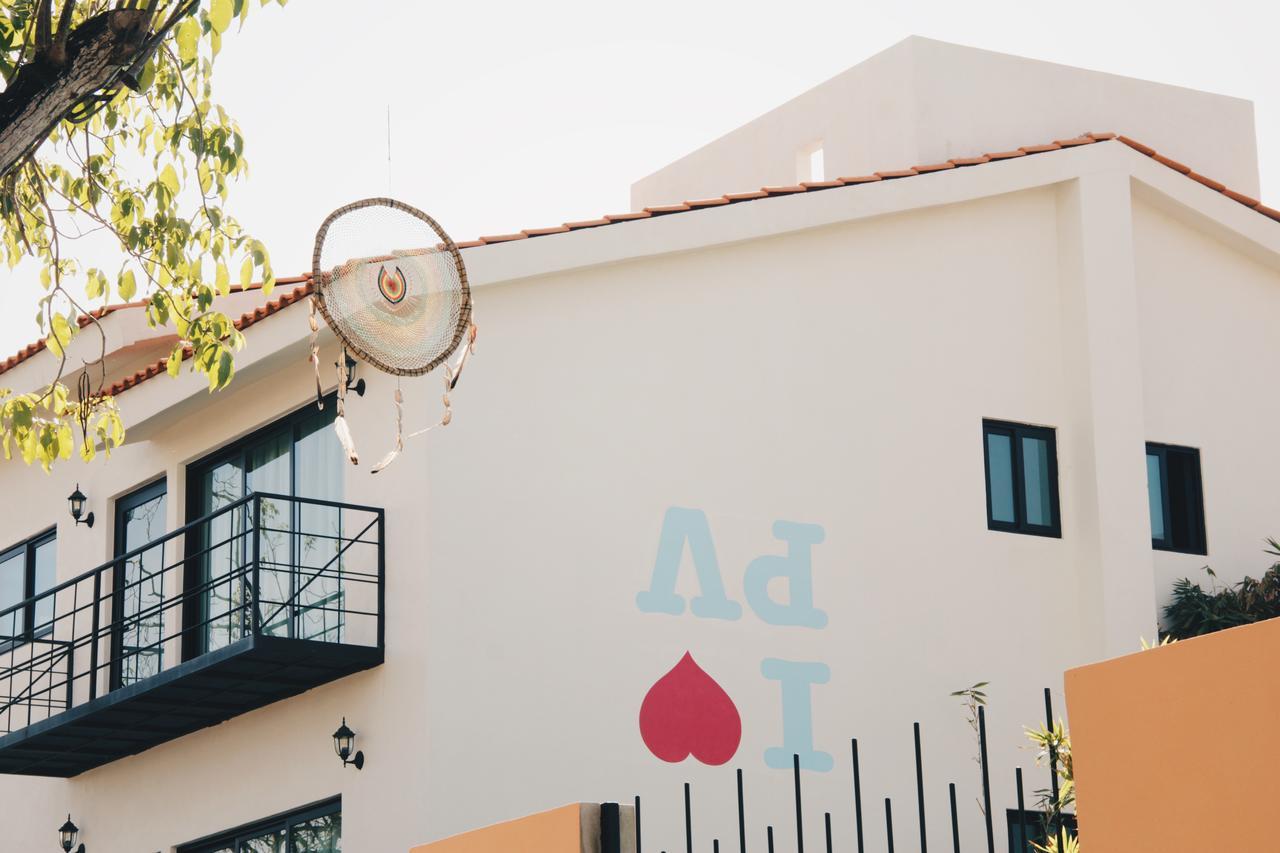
<point x="1050" y="823"/>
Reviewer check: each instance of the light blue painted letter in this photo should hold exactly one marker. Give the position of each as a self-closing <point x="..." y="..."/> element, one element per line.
<point x="681" y="525"/>
<point x="797" y="714"/>
<point x="797" y="568"/>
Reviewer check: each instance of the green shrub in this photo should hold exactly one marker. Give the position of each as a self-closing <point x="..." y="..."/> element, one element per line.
<point x="1195" y="611"/>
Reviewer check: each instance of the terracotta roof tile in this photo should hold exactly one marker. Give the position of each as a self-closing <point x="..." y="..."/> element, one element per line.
<point x="1172" y="164"/>
<point x="1267" y="211"/>
<point x="1137" y="146"/>
<point x="1247" y="201"/>
<point x="246" y="320"/>
<point x="1208" y="182"/>
<point x="305" y="289"/>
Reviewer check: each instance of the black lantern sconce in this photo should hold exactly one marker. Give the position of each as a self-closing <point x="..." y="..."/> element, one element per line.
<point x="344" y="741"/>
<point x="353" y="384"/>
<point x="68" y="834"/>
<point x="77" y="499"/>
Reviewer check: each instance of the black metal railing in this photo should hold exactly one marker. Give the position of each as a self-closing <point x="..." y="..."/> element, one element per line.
<point x="265" y="565"/>
<point x="1026" y="829"/>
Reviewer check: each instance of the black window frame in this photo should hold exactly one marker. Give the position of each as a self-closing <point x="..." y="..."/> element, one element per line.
<point x="284" y="821"/>
<point x="130" y="500"/>
<point x="1035" y="822"/>
<point x="29" y="546"/>
<point x="1198" y="542"/>
<point x="1016" y="432"/>
<point x="193" y="643"/>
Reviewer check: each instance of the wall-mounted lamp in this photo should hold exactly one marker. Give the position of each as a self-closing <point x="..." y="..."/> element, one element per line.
<point x="353" y="384"/>
<point x="344" y="741"/>
<point x="77" y="499"/>
<point x="68" y="833"/>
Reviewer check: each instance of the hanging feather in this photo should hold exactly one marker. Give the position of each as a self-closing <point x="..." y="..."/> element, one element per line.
<point x="315" y="352"/>
<point x="391" y="457"/>
<point x="340" y="422"/>
<point x="344" y="438"/>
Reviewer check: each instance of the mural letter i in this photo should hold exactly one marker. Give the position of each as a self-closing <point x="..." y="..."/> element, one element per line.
<point x="797" y="714"/>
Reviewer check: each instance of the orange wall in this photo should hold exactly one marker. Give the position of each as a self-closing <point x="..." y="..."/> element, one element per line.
<point x="556" y="831"/>
<point x="1177" y="748"/>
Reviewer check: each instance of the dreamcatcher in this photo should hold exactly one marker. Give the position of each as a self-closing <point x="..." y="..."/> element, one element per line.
<point x="404" y="312"/>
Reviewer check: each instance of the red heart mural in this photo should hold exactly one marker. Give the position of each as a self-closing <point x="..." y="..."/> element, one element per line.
<point x="687" y="713"/>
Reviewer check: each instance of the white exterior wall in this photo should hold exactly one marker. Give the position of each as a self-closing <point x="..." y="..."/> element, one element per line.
<point x="825" y="360"/>
<point x="924" y="101"/>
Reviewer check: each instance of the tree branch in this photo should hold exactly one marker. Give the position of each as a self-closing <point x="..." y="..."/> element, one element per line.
<point x="51" y="88"/>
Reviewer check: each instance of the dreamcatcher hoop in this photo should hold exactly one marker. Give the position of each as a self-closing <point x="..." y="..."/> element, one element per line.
<point x="323" y="278"/>
<point x="403" y="324"/>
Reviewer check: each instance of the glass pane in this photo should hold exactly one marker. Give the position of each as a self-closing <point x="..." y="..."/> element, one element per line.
<point x="319" y="835"/>
<point x="268" y="842"/>
<point x="270" y="468"/>
<point x="1035" y="479"/>
<point x="319" y="475"/>
<point x="224" y="556"/>
<point x="46" y="557"/>
<point x="142" y="591"/>
<point x="1155" y="496"/>
<point x="13" y="580"/>
<point x="1000" y="475"/>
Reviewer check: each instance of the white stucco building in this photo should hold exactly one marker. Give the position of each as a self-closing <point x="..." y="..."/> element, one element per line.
<point x="868" y="435"/>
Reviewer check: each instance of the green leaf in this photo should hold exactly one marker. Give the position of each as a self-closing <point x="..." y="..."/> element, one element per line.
<point x="188" y="38"/>
<point x="127" y="286"/>
<point x="174" y="364"/>
<point x="169" y="178"/>
<point x="246" y="272"/>
<point x="220" y="13"/>
<point x="222" y="279"/>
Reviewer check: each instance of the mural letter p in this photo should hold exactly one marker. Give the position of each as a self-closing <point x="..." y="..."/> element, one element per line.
<point x="797" y="568"/>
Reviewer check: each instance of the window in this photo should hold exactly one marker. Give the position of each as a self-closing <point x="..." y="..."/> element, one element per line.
<point x="314" y="829"/>
<point x="1022" y="478"/>
<point x="138" y="593"/>
<point x="298" y="456"/>
<point x="1031" y="825"/>
<point x="27" y="569"/>
<point x="1175" y="498"/>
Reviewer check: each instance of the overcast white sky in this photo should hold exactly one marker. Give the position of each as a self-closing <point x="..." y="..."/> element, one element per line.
<point x="509" y="115"/>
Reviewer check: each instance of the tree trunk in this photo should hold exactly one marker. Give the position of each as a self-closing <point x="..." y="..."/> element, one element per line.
<point x="45" y="90"/>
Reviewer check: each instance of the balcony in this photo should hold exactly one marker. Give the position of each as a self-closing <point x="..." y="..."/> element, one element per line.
<point x="263" y="599"/>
